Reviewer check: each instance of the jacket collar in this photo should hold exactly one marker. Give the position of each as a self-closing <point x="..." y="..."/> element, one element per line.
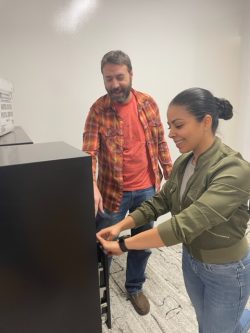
<point x="209" y="154"/>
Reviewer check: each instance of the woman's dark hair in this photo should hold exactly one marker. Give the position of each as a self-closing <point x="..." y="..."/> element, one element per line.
<point x="201" y="102"/>
<point x="116" y="57"/>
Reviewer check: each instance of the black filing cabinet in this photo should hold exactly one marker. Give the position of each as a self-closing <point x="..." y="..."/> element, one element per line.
<point x="103" y="272"/>
<point x="48" y="260"/>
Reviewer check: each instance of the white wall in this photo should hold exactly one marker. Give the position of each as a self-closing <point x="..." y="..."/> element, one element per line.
<point x="54" y="62"/>
<point x="243" y="130"/>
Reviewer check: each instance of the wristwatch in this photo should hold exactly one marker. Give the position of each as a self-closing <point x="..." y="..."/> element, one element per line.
<point x="121" y="242"/>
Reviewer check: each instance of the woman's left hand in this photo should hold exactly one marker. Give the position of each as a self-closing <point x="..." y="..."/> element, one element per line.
<point x="111" y="248"/>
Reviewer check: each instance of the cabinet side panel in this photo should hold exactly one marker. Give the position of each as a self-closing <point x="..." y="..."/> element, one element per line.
<point x="48" y="260"/>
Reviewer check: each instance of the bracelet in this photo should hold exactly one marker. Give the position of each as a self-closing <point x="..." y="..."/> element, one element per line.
<point x="122" y="244"/>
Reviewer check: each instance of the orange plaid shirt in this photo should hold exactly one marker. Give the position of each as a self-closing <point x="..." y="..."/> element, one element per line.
<point x="103" y="140"/>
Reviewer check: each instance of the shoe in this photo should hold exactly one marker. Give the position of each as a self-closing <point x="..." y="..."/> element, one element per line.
<point x="140" y="303"/>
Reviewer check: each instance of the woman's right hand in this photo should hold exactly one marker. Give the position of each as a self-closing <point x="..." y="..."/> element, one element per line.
<point x="109" y="233"/>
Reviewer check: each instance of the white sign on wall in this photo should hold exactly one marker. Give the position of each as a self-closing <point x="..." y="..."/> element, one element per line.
<point x="6" y="107"/>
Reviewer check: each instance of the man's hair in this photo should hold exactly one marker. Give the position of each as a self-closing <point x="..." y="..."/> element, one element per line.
<point x="116" y="57"/>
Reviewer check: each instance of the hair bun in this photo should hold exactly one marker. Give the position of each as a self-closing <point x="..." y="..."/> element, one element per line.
<point x="224" y="107"/>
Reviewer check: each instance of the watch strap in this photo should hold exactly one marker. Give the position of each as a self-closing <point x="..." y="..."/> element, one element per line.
<point x="121" y="242"/>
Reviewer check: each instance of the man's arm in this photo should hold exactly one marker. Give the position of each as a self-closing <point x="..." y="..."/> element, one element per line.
<point x="91" y="146"/>
<point x="163" y="150"/>
<point x="91" y="138"/>
<point x="97" y="199"/>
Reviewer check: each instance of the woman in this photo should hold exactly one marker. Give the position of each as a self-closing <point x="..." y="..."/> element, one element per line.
<point x="207" y="195"/>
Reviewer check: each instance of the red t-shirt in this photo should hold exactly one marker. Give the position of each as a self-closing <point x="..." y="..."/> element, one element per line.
<point x="137" y="170"/>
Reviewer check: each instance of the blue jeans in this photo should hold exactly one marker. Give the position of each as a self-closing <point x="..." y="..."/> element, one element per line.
<point x="136" y="259"/>
<point x="218" y="293"/>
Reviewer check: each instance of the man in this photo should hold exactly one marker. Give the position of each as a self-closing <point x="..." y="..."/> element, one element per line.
<point x="124" y="134"/>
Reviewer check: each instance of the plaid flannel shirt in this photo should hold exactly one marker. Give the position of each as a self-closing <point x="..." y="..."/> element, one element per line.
<point x="103" y="140"/>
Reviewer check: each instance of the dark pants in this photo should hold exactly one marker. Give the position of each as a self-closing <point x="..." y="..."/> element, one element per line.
<point x="136" y="259"/>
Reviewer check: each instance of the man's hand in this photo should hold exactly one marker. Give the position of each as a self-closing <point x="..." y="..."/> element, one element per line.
<point x="97" y="199"/>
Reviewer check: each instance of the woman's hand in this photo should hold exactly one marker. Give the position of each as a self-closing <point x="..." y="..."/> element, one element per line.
<point x="109" y="233"/>
<point x="111" y="248"/>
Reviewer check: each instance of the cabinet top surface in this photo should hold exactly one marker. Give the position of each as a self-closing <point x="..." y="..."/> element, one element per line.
<point x="39" y="152"/>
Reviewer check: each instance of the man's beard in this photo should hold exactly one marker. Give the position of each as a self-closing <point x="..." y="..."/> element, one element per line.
<point x="123" y="94"/>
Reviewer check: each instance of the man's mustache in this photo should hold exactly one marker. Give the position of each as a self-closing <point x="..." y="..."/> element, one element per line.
<point x="116" y="90"/>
